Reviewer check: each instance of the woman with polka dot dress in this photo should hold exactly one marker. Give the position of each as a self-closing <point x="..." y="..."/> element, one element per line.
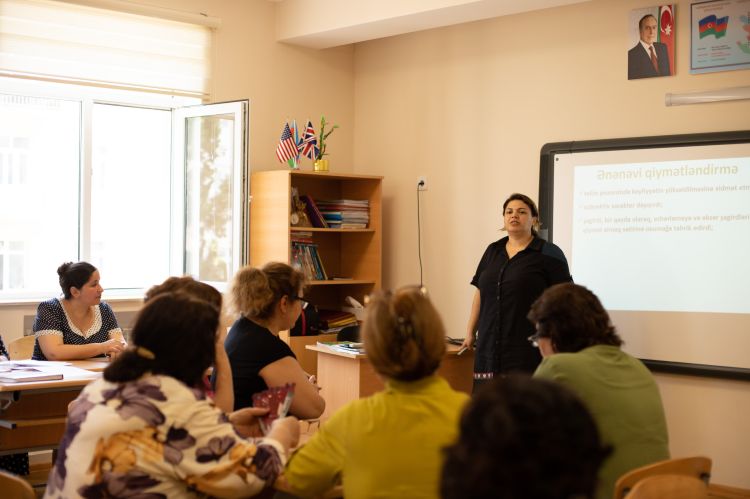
<point x="78" y="325"/>
<point x="15" y="463"/>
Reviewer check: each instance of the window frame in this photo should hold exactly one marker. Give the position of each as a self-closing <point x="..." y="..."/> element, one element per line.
<point x="87" y="98"/>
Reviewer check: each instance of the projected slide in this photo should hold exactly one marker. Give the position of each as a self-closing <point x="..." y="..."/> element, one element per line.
<point x="659" y="229"/>
<point x="664" y="236"/>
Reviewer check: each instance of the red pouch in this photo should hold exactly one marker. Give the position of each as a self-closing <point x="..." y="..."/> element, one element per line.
<point x="277" y="400"/>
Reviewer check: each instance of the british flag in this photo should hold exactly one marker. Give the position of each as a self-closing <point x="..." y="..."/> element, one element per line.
<point x="286" y="149"/>
<point x="309" y="142"/>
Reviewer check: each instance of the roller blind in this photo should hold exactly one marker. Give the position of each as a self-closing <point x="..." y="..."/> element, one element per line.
<point x="58" y="41"/>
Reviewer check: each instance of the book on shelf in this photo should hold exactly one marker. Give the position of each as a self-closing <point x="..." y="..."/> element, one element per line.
<point x="336" y="318"/>
<point x="313" y="213"/>
<point x="303" y="236"/>
<point x="305" y="257"/>
<point x="345" y="213"/>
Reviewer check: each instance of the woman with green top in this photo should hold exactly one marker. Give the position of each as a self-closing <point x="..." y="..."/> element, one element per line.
<point x="581" y="349"/>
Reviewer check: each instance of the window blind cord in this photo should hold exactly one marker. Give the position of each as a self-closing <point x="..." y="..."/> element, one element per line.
<point x="419" y="239"/>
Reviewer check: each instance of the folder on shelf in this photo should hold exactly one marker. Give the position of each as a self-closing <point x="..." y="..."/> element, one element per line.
<point x="313" y="213"/>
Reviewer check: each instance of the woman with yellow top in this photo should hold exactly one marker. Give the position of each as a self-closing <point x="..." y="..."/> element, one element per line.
<point x="389" y="444"/>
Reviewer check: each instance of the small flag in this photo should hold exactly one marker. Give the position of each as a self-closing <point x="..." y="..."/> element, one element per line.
<point x="711" y="25"/>
<point x="310" y="142"/>
<point x="286" y="149"/>
<point x="666" y="32"/>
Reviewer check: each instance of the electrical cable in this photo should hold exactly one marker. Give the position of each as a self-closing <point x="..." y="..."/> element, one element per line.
<point x="419" y="236"/>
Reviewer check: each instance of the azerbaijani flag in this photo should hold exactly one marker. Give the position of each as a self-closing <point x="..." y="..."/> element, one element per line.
<point x="666" y="32"/>
<point x="711" y="25"/>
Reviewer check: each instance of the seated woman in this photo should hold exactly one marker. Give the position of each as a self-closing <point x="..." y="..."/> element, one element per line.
<point x="223" y="394"/>
<point x="147" y="429"/>
<point x="388" y="444"/>
<point x="79" y="325"/>
<point x="523" y="438"/>
<point x="581" y="350"/>
<point x="269" y="301"/>
<point x="15" y="463"/>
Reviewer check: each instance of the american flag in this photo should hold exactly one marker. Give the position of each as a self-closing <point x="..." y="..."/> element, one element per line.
<point x="286" y="149"/>
<point x="309" y="142"/>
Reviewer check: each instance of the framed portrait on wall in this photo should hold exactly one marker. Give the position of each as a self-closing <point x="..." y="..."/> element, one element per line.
<point x="719" y="36"/>
<point x="651" y="42"/>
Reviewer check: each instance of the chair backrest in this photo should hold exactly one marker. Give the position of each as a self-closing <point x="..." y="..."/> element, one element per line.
<point x="698" y="467"/>
<point x="349" y="333"/>
<point x="15" y="487"/>
<point x="21" y="348"/>
<point x="669" y="487"/>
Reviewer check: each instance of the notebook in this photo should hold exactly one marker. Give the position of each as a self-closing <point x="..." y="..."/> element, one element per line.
<point x="25" y="374"/>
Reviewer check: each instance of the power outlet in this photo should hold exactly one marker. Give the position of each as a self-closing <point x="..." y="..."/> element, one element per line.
<point x="422" y="183"/>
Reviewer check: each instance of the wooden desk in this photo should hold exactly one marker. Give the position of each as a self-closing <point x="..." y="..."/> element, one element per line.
<point x="32" y="414"/>
<point x="344" y="377"/>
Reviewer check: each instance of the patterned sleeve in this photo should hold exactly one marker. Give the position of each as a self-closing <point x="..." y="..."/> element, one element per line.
<point x="49" y="319"/>
<point x="219" y="462"/>
<point x="316" y="466"/>
<point x="109" y="321"/>
<point x="3" y="351"/>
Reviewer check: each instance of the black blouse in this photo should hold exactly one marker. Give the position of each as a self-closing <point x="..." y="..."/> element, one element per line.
<point x="507" y="288"/>
<point x="251" y="347"/>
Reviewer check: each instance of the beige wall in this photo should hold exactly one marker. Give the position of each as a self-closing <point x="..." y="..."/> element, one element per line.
<point x="281" y="81"/>
<point x="470" y="106"/>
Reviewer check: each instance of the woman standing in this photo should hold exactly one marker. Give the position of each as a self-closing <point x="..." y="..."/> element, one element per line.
<point x="389" y="444"/>
<point x="512" y="273"/>
<point x="269" y="301"/>
<point x="79" y="325"/>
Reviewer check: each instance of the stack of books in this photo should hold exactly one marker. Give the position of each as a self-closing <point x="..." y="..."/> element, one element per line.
<point x="345" y="213"/>
<point x="343" y="346"/>
<point x="305" y="256"/>
<point x="336" y="319"/>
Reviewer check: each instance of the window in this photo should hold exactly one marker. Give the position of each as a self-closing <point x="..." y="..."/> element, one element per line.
<point x="95" y="162"/>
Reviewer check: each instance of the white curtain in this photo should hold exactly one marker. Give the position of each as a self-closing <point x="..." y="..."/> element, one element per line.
<point x="59" y="41"/>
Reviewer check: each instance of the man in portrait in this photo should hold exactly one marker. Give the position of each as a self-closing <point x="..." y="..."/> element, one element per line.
<point x="648" y="58"/>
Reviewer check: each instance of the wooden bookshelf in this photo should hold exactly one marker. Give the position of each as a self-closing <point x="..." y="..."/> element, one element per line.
<point x="355" y="255"/>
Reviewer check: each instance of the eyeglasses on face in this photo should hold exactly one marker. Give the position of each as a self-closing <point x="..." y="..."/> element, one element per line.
<point x="302" y="301"/>
<point x="534" y="339"/>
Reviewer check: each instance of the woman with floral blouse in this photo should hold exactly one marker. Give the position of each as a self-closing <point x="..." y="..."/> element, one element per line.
<point x="147" y="428"/>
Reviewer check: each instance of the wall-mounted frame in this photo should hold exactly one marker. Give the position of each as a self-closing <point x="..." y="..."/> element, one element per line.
<point x="719" y="36"/>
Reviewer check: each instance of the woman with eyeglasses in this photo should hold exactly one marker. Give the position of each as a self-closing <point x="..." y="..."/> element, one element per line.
<point x="268" y="300"/>
<point x="581" y="350"/>
<point x="512" y="273"/>
<point x="389" y="444"/>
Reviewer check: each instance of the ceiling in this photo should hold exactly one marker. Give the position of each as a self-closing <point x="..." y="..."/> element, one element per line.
<point x="330" y="23"/>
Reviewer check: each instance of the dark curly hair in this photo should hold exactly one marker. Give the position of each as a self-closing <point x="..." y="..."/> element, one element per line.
<point x="517" y="196"/>
<point x="573" y="318"/>
<point x="180" y="330"/>
<point x="523" y="438"/>
<point x="74" y="275"/>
